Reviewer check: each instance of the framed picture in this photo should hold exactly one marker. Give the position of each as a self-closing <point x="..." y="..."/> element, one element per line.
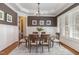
<point x="34" y="22"/>
<point x="9" y="18"/>
<point x="48" y="22"/>
<point x="41" y="22"/>
<point x="1" y="15"/>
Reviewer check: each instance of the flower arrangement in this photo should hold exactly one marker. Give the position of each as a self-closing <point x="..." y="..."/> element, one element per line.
<point x="39" y="29"/>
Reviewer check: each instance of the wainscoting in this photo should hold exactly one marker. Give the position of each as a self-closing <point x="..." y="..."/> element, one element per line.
<point x="7" y="50"/>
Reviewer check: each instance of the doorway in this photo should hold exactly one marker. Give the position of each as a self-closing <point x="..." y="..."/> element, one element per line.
<point x="22" y="26"/>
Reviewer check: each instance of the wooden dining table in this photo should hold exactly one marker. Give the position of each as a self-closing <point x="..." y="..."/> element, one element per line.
<point x="40" y="39"/>
<point x="27" y="38"/>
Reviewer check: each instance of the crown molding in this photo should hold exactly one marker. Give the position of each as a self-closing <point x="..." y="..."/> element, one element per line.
<point x="18" y="12"/>
<point x="22" y="9"/>
<point x="11" y="7"/>
<point x="68" y="9"/>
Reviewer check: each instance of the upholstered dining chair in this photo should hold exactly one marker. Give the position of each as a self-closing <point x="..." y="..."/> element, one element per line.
<point x="57" y="38"/>
<point x="26" y="39"/>
<point x="33" y="41"/>
<point x="35" y="32"/>
<point x="22" y="39"/>
<point x="52" y="38"/>
<point x="43" y="32"/>
<point x="45" y="41"/>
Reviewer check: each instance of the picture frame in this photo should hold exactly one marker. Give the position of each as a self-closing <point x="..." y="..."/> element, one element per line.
<point x="34" y="22"/>
<point x="9" y="18"/>
<point x="41" y="22"/>
<point x="48" y="22"/>
<point x="1" y="15"/>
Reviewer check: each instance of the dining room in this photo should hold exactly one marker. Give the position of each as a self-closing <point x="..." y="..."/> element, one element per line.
<point x="39" y="33"/>
<point x="39" y="29"/>
<point x="43" y="34"/>
<point x="39" y="36"/>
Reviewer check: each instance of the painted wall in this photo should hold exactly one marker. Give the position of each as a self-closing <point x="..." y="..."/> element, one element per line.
<point x="31" y="29"/>
<point x="9" y="32"/>
<point x="9" y="11"/>
<point x="43" y="18"/>
<point x="48" y="30"/>
<point x="8" y="35"/>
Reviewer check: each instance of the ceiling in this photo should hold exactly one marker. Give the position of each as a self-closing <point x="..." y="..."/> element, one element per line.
<point x="46" y="9"/>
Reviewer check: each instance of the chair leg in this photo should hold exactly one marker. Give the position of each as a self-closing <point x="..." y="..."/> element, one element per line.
<point x="29" y="46"/>
<point x="30" y="50"/>
<point x="48" y="48"/>
<point x="52" y="44"/>
<point x="49" y="45"/>
<point x="36" y="48"/>
<point x="42" y="48"/>
<point x="26" y="44"/>
<point x="59" y="44"/>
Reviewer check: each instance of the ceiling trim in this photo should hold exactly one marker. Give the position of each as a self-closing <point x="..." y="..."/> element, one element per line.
<point x="26" y="10"/>
<point x="21" y="8"/>
<point x="10" y="7"/>
<point x="18" y="12"/>
<point x="69" y="8"/>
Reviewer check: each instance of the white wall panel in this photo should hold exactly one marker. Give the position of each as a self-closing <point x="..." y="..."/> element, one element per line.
<point x="49" y="30"/>
<point x="8" y="35"/>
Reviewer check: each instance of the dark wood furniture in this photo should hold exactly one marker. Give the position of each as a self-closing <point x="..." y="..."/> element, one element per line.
<point x="43" y="32"/>
<point x="26" y="39"/>
<point x="35" y="32"/>
<point x="45" y="41"/>
<point x="52" y="38"/>
<point x="58" y="38"/>
<point x="33" y="41"/>
<point x="22" y="39"/>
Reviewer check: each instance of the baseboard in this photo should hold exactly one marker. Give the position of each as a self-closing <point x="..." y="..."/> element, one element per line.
<point x="8" y="49"/>
<point x="70" y="49"/>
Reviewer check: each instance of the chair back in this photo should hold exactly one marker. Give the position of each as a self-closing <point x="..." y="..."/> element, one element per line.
<point x="43" y="33"/>
<point x="58" y="35"/>
<point x="33" y="38"/>
<point x="45" y="37"/>
<point x="35" y="32"/>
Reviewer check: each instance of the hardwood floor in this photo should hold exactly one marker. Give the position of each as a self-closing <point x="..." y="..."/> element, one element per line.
<point x="7" y="50"/>
<point x="70" y="49"/>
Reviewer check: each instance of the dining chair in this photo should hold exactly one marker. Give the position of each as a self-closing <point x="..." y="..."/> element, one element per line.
<point x="22" y="39"/>
<point x="57" y="38"/>
<point x="52" y="38"/>
<point x="43" y="32"/>
<point x="33" y="41"/>
<point x="26" y="39"/>
<point x="35" y="32"/>
<point x="45" y="41"/>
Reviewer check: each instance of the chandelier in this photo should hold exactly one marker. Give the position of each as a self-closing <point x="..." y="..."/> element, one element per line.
<point x="38" y="9"/>
<point x="37" y="13"/>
